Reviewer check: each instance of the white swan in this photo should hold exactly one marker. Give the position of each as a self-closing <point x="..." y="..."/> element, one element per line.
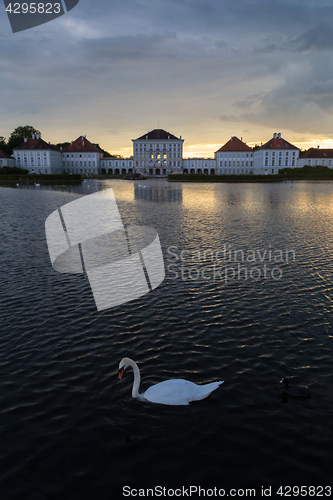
<point x="169" y="392"/>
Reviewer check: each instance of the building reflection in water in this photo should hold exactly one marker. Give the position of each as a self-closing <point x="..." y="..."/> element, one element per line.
<point x="157" y="193"/>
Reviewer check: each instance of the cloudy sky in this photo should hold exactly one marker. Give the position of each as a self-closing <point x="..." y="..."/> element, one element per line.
<point x="203" y="69"/>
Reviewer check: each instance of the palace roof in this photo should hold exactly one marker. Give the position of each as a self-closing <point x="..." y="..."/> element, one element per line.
<point x="81" y="144"/>
<point x="317" y="153"/>
<point x="37" y="144"/>
<point x="4" y="155"/>
<point x="157" y="134"/>
<point x="277" y="142"/>
<point x="234" y="144"/>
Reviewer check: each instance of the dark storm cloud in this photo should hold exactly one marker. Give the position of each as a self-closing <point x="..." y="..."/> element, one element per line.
<point x="251" y="61"/>
<point x="318" y="39"/>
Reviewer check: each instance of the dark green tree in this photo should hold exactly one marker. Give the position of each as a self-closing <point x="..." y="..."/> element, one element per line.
<point x="106" y="154"/>
<point x="3" y="144"/>
<point x="18" y="135"/>
<point x="62" y="145"/>
<point x="13" y="171"/>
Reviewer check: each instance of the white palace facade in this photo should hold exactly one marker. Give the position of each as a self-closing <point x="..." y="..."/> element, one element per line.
<point x="38" y="156"/>
<point x="161" y="153"/>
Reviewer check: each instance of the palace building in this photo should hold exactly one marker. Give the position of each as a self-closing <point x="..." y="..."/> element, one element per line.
<point x="6" y="160"/>
<point x="275" y="155"/>
<point x="159" y="152"/>
<point x="316" y="156"/>
<point x="38" y="156"/>
<point x="235" y="157"/>
<point x="81" y="157"/>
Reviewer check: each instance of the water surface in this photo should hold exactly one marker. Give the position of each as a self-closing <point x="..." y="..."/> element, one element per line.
<point x="70" y="430"/>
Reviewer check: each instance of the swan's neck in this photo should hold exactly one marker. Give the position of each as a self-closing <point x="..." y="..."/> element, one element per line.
<point x="136" y="383"/>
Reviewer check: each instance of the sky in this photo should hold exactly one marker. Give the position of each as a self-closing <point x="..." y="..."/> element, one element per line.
<point x="205" y="70"/>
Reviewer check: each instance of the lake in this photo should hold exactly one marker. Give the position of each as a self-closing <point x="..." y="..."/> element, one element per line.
<point x="247" y="298"/>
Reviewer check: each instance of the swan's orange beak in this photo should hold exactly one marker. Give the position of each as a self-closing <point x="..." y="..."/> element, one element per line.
<point x="120" y="374"/>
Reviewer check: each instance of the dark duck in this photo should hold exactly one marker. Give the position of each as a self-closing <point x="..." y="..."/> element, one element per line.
<point x="295" y="391"/>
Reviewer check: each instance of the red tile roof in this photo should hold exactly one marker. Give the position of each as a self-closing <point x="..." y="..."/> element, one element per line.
<point x="157" y="134"/>
<point x="81" y="145"/>
<point x="4" y="155"/>
<point x="36" y="144"/>
<point x="278" y="143"/>
<point x="234" y="144"/>
<point x="317" y="153"/>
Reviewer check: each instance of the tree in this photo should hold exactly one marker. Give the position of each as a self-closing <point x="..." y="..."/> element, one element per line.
<point x="62" y="145"/>
<point x="13" y="171"/>
<point x="3" y="144"/>
<point x="106" y="154"/>
<point x="18" y="135"/>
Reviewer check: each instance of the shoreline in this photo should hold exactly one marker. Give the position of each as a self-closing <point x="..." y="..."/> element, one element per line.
<point x="245" y="179"/>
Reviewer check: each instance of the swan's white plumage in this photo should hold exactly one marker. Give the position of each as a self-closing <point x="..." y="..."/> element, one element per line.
<point x="178" y="392"/>
<point x="170" y="392"/>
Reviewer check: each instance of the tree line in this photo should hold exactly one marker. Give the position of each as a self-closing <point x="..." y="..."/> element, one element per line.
<point x="17" y="137"/>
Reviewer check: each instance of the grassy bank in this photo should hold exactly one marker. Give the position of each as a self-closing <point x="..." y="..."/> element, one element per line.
<point x="105" y="176"/>
<point x="246" y="178"/>
<point x="40" y="179"/>
<point x="306" y="173"/>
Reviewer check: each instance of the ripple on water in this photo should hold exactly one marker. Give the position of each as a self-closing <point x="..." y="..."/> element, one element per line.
<point x="70" y="429"/>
